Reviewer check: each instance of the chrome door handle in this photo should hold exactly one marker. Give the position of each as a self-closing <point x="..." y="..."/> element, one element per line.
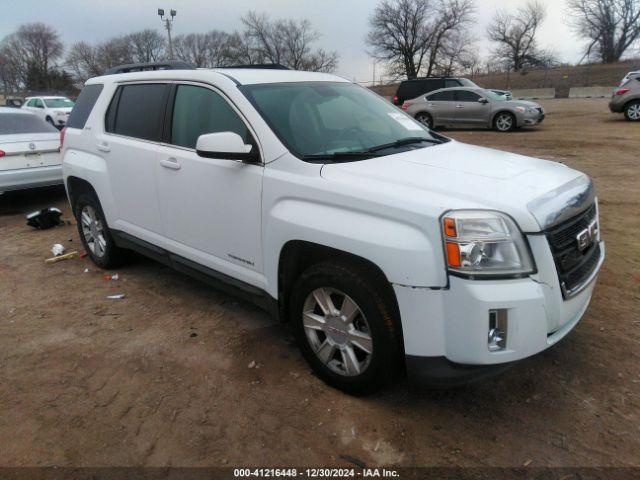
<point x="103" y="147"/>
<point x="171" y="163"/>
<point x="459" y="106"/>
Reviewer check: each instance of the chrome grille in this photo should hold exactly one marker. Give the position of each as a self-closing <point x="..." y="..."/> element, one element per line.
<point x="574" y="266"/>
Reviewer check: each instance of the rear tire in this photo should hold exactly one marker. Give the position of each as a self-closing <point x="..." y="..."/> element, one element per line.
<point x="345" y="327"/>
<point x="632" y="111"/>
<point x="95" y="234"/>
<point x="425" y="119"/>
<point x="504" y="122"/>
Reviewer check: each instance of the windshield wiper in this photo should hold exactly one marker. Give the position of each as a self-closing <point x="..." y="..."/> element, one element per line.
<point x="404" y="141"/>
<point x="340" y="155"/>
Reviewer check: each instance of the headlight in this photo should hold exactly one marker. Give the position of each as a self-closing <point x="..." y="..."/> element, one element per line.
<point x="485" y="243"/>
<point x="58" y="112"/>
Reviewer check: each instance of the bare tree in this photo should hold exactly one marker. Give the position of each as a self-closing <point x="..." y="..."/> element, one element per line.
<point x="146" y="45"/>
<point x="31" y="52"/>
<point x="409" y="35"/>
<point x="612" y="26"/>
<point x="285" y="41"/>
<point x="515" y="35"/>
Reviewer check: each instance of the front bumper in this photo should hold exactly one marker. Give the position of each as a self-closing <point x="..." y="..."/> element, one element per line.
<point x="24" y="178"/>
<point x="449" y="327"/>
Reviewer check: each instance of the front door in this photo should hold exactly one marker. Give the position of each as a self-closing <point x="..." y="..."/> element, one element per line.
<point x="441" y="105"/>
<point x="211" y="208"/>
<point x="469" y="110"/>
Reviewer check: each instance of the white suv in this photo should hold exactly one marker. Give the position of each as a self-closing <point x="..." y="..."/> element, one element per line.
<point x="384" y="244"/>
<point x="54" y="110"/>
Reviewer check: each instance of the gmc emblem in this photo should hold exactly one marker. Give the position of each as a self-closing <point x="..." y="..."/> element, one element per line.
<point x="587" y="236"/>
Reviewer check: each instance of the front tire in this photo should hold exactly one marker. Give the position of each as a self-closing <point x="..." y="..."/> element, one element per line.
<point x="50" y="121"/>
<point x="504" y="122"/>
<point x="345" y="327"/>
<point x="632" y="111"/>
<point x="95" y="234"/>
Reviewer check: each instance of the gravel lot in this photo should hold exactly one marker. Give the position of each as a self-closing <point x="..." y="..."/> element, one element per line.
<point x="161" y="378"/>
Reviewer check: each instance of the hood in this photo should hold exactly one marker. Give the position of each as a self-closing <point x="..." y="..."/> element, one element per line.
<point x="522" y="103"/>
<point x="456" y="175"/>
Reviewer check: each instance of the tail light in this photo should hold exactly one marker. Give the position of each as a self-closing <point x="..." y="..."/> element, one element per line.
<point x="622" y="91"/>
<point x="406" y="105"/>
<point x="395" y="100"/>
<point x="62" y="133"/>
<point x="2" y="154"/>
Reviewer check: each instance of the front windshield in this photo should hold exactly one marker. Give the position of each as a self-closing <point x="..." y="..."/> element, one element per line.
<point x="58" y="103"/>
<point x="495" y="96"/>
<point x="315" y="119"/>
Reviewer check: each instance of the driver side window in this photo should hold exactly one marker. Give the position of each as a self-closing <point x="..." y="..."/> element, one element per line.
<point x="198" y="110"/>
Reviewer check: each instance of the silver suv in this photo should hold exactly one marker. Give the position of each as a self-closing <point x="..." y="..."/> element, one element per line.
<point x="626" y="100"/>
<point x="473" y="106"/>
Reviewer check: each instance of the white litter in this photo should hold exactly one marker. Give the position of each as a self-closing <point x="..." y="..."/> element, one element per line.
<point x="119" y="296"/>
<point x="86" y="270"/>
<point x="57" y="249"/>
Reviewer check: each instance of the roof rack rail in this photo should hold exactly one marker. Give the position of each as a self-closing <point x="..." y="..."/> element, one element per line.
<point x="265" y="66"/>
<point x="147" y="66"/>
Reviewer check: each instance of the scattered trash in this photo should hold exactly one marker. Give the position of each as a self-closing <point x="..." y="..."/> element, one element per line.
<point x="45" y="218"/>
<point x="252" y="364"/>
<point x="193" y="335"/>
<point x="86" y="270"/>
<point x="83" y="254"/>
<point x="57" y="249"/>
<point x="527" y="463"/>
<point x="119" y="296"/>
<point x="66" y="256"/>
<point x="113" y="277"/>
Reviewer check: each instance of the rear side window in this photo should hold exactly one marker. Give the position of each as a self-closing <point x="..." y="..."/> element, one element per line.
<point x="138" y="111"/>
<point x="442" y="97"/>
<point x="198" y="110"/>
<point x="16" y="123"/>
<point x="452" y="83"/>
<point x="87" y="99"/>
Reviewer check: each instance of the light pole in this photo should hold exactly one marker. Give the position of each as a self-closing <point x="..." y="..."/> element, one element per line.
<point x="168" y="24"/>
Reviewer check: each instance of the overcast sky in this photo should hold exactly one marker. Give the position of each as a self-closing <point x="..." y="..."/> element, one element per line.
<point x="343" y="24"/>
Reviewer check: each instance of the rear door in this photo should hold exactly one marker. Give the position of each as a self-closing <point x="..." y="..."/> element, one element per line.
<point x="442" y="106"/>
<point x="469" y="111"/>
<point x="129" y="146"/>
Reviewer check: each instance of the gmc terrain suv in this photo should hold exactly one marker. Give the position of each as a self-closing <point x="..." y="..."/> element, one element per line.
<point x="384" y="244"/>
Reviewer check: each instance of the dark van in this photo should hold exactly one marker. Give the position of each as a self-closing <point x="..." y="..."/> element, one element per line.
<point x="409" y="89"/>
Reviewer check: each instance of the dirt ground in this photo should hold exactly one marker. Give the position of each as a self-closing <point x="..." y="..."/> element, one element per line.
<point x="161" y="378"/>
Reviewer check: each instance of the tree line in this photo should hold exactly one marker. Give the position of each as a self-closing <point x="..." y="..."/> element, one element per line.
<point x="35" y="58"/>
<point x="427" y="37"/>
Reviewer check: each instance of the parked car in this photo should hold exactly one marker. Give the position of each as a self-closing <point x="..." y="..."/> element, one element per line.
<point x="29" y="151"/>
<point x="629" y="76"/>
<point x="473" y="107"/>
<point x="383" y="244"/>
<point x="409" y="89"/>
<point x="626" y="100"/>
<point x="54" y="110"/>
<point x="13" y="102"/>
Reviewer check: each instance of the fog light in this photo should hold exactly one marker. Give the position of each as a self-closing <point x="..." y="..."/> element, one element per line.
<point x="497" y="337"/>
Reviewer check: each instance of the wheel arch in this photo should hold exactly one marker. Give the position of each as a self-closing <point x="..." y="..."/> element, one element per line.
<point x="298" y="255"/>
<point x="76" y="186"/>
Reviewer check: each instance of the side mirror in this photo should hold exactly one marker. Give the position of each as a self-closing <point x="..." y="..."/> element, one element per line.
<point x="226" y="146"/>
<point x="482" y="100"/>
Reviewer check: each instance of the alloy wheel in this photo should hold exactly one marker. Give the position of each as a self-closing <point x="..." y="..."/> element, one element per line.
<point x="93" y="231"/>
<point x="337" y="331"/>
<point x="633" y="112"/>
<point x="424" y="120"/>
<point x="504" y="122"/>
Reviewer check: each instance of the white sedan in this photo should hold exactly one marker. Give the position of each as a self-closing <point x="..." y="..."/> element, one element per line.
<point x="29" y="151"/>
<point x="54" y="110"/>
